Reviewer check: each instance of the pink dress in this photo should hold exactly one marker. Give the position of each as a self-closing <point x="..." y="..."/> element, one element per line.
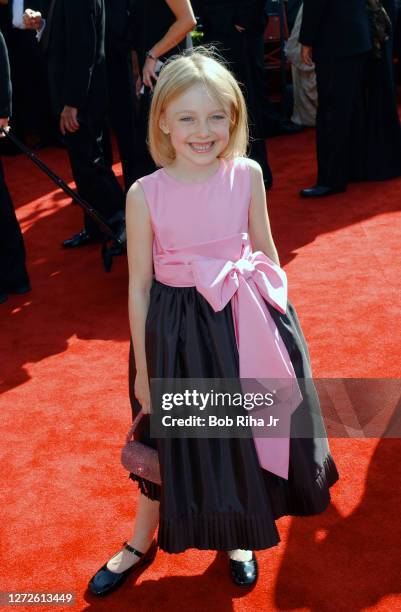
<point x="219" y="310"/>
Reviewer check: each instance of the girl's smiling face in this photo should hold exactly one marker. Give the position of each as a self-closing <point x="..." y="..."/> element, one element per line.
<point x="198" y="125"/>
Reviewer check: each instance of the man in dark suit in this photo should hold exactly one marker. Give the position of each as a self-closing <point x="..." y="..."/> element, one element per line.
<point x="31" y="104"/>
<point x="239" y="26"/>
<point x="73" y="42"/>
<point x="122" y="99"/>
<point x="336" y="34"/>
<point x="13" y="274"/>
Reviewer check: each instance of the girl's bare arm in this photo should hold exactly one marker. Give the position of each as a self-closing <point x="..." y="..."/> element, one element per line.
<point x="259" y="226"/>
<point x="140" y="267"/>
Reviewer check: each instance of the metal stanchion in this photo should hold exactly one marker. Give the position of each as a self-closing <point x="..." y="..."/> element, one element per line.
<point x="117" y="238"/>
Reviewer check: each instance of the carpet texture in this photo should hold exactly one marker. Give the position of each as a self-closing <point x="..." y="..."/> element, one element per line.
<point x="68" y="503"/>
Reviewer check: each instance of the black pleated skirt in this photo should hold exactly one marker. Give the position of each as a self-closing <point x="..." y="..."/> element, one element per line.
<point x="214" y="495"/>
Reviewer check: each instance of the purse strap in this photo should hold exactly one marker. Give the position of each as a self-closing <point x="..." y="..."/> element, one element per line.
<point x="134" y="425"/>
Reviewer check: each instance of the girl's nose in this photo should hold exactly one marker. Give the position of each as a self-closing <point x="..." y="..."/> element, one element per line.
<point x="203" y="128"/>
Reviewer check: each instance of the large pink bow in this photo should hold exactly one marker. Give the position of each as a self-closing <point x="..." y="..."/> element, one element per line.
<point x="262" y="352"/>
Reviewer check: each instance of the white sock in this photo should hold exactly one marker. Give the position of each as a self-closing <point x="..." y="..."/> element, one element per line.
<point x="240" y="555"/>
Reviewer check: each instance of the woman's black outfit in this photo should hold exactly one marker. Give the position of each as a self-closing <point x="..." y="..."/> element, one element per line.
<point x="358" y="133"/>
<point x="376" y="139"/>
<point x="121" y="86"/>
<point x="151" y="20"/>
<point x="244" y="53"/>
<point x="13" y="272"/>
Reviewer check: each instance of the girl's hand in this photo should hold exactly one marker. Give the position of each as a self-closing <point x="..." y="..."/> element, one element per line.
<point x="148" y="72"/>
<point x="142" y="392"/>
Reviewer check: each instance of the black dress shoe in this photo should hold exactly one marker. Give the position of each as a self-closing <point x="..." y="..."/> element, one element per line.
<point x="284" y="128"/>
<point x="320" y="191"/>
<point x="289" y="127"/>
<point x="105" y="581"/>
<point x="3" y="297"/>
<point x="268" y="184"/>
<point x="80" y="239"/>
<point x="20" y="290"/>
<point x="244" y="573"/>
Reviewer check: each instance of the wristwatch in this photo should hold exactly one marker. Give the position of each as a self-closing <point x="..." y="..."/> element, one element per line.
<point x="149" y="54"/>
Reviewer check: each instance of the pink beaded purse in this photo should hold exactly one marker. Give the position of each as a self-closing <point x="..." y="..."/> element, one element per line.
<point x="138" y="458"/>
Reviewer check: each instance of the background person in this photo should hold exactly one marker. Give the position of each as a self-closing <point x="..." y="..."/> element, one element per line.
<point x="32" y="120"/>
<point x="376" y="140"/>
<point x="121" y="85"/>
<point x="338" y="34"/>
<point x="73" y="42"/>
<point x="13" y="273"/>
<point x="238" y="26"/>
<point x="160" y="30"/>
<point x="303" y="79"/>
<point x="358" y="132"/>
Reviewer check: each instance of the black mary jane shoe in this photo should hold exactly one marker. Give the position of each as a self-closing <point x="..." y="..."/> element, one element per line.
<point x="244" y="573"/>
<point x="105" y="581"/>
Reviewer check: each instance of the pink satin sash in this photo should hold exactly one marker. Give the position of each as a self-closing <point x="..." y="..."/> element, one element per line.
<point x="229" y="270"/>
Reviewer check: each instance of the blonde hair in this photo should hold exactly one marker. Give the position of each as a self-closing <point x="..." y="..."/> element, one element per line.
<point x="181" y="72"/>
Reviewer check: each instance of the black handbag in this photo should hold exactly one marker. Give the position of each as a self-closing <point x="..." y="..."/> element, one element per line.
<point x="380" y="26"/>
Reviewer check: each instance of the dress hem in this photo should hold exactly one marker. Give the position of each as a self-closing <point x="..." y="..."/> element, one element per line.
<point x="148" y="488"/>
<point x="301" y="501"/>
<point x="232" y="530"/>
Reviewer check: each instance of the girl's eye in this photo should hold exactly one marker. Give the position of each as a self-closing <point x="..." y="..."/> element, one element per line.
<point x="213" y="117"/>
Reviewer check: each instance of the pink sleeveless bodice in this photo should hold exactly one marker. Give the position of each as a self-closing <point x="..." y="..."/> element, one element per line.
<point x="201" y="239"/>
<point x="189" y="214"/>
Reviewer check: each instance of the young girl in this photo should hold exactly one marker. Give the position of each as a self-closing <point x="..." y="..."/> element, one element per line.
<point x="207" y="204"/>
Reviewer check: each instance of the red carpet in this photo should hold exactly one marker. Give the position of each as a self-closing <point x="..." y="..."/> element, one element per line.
<point x="68" y="504"/>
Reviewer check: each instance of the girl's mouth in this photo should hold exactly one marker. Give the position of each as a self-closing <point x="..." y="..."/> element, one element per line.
<point x="201" y="147"/>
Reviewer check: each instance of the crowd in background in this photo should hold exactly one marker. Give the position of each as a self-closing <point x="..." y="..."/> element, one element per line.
<point x="83" y="70"/>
